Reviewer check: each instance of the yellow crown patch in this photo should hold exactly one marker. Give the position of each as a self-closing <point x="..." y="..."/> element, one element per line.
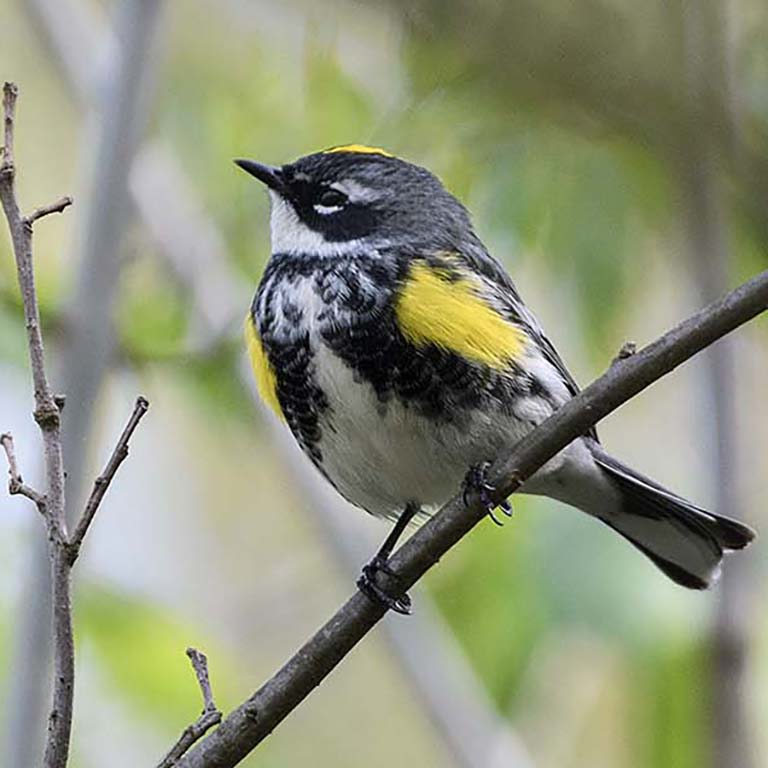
<point x="360" y="149"/>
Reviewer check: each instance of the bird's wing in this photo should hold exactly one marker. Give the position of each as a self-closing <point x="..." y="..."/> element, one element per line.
<point x="444" y="304"/>
<point x="482" y="262"/>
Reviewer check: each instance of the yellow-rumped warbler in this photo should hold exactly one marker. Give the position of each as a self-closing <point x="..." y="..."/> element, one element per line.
<point x="402" y="358"/>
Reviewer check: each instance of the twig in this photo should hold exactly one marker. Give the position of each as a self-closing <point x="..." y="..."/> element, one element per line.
<point x="58" y="207"/>
<point x="16" y="485"/>
<point x="244" y="728"/>
<point x="200" y="664"/>
<point x="209" y="717"/>
<point x="102" y="482"/>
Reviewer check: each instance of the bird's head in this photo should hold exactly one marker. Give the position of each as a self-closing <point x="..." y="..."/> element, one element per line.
<point x="351" y="198"/>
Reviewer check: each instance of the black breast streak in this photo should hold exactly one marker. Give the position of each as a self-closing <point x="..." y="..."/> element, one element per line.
<point x="290" y="353"/>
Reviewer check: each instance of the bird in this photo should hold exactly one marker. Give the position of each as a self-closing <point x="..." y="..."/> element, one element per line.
<point x="401" y="356"/>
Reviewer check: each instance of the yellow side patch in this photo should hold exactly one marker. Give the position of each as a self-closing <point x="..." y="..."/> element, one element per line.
<point x="266" y="382"/>
<point x="360" y="149"/>
<point x="449" y="313"/>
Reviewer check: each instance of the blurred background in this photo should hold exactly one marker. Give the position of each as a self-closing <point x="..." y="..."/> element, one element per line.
<point x="615" y="157"/>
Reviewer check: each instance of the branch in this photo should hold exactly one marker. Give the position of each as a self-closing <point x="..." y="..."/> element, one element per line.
<point x="244" y="728"/>
<point x="709" y="50"/>
<point x="119" y="112"/>
<point x="16" y="485"/>
<point x="48" y="416"/>
<point x="209" y="717"/>
<point x="103" y="481"/>
<point x="58" y="207"/>
<point x="46" y="409"/>
<point x="471" y="729"/>
<point x="62" y="550"/>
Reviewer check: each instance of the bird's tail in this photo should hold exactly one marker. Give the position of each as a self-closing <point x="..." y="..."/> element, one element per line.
<point x="684" y="541"/>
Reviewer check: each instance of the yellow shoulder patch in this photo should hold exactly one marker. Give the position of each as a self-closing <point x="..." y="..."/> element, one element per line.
<point x="266" y="381"/>
<point x="360" y="149"/>
<point x="436" y="307"/>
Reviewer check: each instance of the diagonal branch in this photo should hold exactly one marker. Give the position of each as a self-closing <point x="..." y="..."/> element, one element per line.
<point x="102" y="482"/>
<point x="244" y="728"/>
<point x="209" y="717"/>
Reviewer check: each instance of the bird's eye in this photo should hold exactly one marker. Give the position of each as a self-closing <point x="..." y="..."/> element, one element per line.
<point x="332" y="198"/>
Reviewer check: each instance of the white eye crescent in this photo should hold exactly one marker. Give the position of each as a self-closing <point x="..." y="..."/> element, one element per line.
<point x="330" y="200"/>
<point x="325" y="210"/>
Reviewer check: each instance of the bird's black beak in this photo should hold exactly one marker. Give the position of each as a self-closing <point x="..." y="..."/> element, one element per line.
<point x="270" y="176"/>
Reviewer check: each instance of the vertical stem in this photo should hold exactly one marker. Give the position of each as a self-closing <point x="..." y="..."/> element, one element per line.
<point x="60" y="719"/>
<point x="708" y="258"/>
<point x="707" y="42"/>
<point x="48" y="417"/>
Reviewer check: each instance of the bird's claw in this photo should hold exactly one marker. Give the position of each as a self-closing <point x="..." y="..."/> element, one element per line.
<point x="476" y="481"/>
<point x="368" y="586"/>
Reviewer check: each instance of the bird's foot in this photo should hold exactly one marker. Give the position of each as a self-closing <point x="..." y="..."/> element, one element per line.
<point x="476" y="481"/>
<point x="369" y="587"/>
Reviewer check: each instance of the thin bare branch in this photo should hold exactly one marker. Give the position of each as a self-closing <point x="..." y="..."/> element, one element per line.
<point x="16" y="485"/>
<point x="48" y="416"/>
<point x="199" y="663"/>
<point x="209" y="717"/>
<point x="48" y="407"/>
<point x="46" y="410"/>
<point x="103" y="481"/>
<point x="248" y="725"/>
<point x="119" y="109"/>
<point x="58" y="207"/>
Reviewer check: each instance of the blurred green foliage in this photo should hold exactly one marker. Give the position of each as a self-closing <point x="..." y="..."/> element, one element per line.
<point x="138" y="645"/>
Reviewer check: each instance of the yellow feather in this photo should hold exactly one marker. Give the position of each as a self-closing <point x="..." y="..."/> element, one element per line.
<point x="266" y="382"/>
<point x="435" y="308"/>
<point x="359" y="148"/>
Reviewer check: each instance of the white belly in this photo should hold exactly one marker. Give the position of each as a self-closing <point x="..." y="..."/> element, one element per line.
<point x="381" y="456"/>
